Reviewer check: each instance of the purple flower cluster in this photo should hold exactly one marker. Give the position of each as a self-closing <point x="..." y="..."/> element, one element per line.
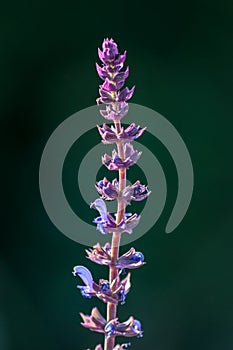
<point x="114" y="290"/>
<point x="107" y="224"/>
<point x="110" y="191"/>
<point x="114" y="78"/>
<point x="114" y="293"/>
<point x="96" y="322"/>
<point x="110" y="135"/>
<point x="114" y="162"/>
<point x="102" y="255"/>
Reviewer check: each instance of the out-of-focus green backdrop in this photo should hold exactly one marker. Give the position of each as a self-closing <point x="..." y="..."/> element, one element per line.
<point x="180" y="54"/>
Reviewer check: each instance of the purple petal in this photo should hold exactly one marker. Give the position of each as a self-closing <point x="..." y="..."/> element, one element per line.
<point x="120" y="111"/>
<point x="129" y="150"/>
<point x="120" y="84"/>
<point x="101" y="55"/>
<point x="104" y="93"/>
<point x="100" y="205"/>
<point x="95" y="321"/>
<point x="136" y="192"/>
<point x="135" y="156"/>
<point x="105" y="96"/>
<point x="129" y="328"/>
<point x="85" y="275"/>
<point x="120" y="59"/>
<point x="107" y="189"/>
<point x="114" y="68"/>
<point x="100" y="255"/>
<point x="126" y="283"/>
<point x="131" y="223"/>
<point x="109" y="85"/>
<point x="102" y="73"/>
<point x="103" y="112"/>
<point x="126" y="94"/>
<point x="110" y="45"/>
<point x="131" y="260"/>
<point x="116" y="163"/>
<point x="106" y="159"/>
<point x="122" y="75"/>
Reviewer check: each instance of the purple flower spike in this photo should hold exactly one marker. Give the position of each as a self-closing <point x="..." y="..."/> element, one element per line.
<point x="116" y="163"/>
<point x="108" y="190"/>
<point x="135" y="192"/>
<point x="129" y="328"/>
<point x="114" y="96"/>
<point x="109" y="135"/>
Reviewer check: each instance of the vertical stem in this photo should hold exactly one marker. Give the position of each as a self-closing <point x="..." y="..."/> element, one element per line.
<point x="116" y="237"/>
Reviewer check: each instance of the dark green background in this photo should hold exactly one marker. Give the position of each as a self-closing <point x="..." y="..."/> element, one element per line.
<point x="180" y="55"/>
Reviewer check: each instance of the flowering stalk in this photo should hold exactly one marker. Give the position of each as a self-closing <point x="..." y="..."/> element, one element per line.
<point x="116" y="237"/>
<point x="115" y="290"/>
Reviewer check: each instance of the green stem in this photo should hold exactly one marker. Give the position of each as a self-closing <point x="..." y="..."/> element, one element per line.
<point x="116" y="237"/>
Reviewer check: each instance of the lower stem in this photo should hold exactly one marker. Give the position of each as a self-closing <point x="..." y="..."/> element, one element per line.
<point x="116" y="238"/>
<point x="113" y="271"/>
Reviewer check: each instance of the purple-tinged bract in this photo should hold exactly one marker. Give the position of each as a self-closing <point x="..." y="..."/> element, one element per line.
<point x="100" y="255"/>
<point x="108" y="190"/>
<point x="114" y="162"/>
<point x="116" y="112"/>
<point x="95" y="322"/>
<point x="135" y="192"/>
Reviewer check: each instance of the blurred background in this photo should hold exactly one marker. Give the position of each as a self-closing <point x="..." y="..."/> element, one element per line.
<point x="180" y="54"/>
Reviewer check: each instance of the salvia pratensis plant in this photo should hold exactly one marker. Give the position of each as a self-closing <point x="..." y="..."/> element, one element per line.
<point x="114" y="291"/>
